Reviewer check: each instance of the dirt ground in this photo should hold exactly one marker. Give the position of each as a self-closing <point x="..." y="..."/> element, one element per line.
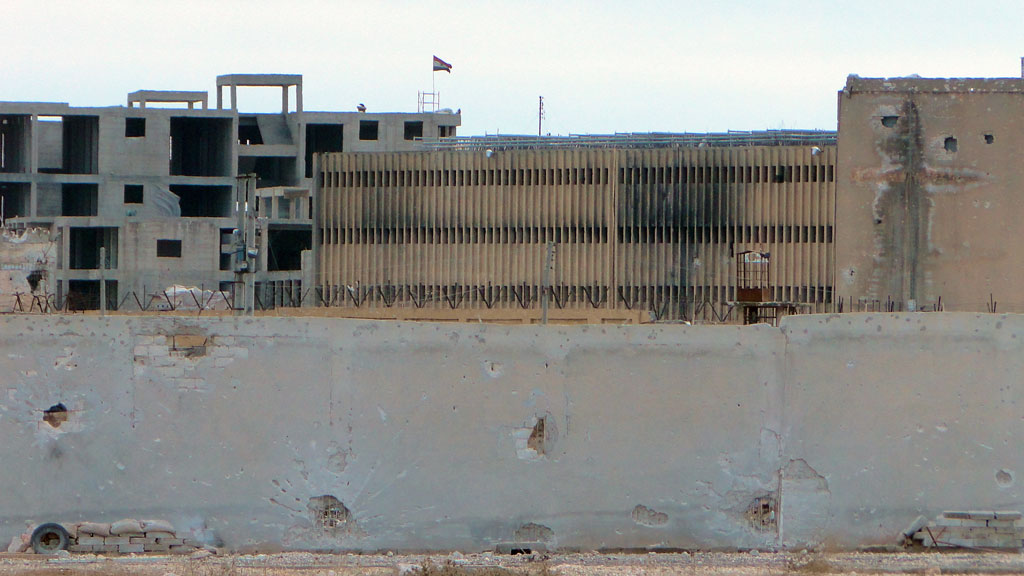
<point x="487" y="564"/>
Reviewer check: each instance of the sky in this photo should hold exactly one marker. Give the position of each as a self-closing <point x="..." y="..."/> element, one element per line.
<point x="601" y="66"/>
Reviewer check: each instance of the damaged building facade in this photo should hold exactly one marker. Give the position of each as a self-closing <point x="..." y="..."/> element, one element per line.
<point x="151" y="186"/>
<point x="667" y="225"/>
<point x="929" y="207"/>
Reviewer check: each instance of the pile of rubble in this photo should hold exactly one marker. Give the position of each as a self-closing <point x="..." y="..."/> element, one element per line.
<point x="972" y="529"/>
<point x="127" y="536"/>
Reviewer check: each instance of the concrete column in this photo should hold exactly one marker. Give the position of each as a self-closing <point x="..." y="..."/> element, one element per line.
<point x="284" y="99"/>
<point x="220" y="97"/>
<point x="298" y="91"/>
<point x="234" y="97"/>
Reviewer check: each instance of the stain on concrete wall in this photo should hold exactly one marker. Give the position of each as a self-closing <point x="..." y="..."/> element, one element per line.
<point x="355" y="435"/>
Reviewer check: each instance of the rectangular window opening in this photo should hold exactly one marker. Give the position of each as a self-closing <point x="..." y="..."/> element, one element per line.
<point x="368" y="129"/>
<point x="168" y="248"/>
<point x="133" y="193"/>
<point x="134" y="127"/>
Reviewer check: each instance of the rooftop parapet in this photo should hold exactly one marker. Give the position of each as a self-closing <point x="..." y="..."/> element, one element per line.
<point x="637" y="140"/>
<point x="856" y="84"/>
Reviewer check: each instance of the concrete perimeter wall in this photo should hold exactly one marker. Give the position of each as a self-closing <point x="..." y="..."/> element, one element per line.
<point x="837" y="430"/>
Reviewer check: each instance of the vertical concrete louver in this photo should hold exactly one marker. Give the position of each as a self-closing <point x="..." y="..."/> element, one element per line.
<point x="650" y="229"/>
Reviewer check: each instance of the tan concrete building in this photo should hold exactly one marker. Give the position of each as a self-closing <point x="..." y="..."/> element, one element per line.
<point x="929" y="203"/>
<point x="658" y="224"/>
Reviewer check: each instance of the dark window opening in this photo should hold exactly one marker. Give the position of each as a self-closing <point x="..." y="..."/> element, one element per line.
<point x="200" y="147"/>
<point x="225" y="261"/>
<point x="14" y="200"/>
<point x="321" y="138"/>
<point x="85" y="295"/>
<point x="989" y="138"/>
<point x="79" y="199"/>
<point x="249" y="131"/>
<point x="285" y="248"/>
<point x="950" y="144"/>
<point x="168" y="248"/>
<point x="270" y="170"/>
<point x="445" y="131"/>
<point x="85" y="244"/>
<point x="134" y="127"/>
<point x="890" y="121"/>
<point x="14" y="143"/>
<point x="133" y="193"/>
<point x="413" y="130"/>
<point x="203" y="201"/>
<point x="368" y="129"/>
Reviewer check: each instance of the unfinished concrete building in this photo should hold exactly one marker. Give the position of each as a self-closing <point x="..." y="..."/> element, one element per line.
<point x="663" y="224"/>
<point x="151" y="186"/>
<point x="929" y="212"/>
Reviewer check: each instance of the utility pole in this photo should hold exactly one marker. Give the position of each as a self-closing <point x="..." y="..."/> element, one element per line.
<point x="103" y="281"/>
<point x="540" y="116"/>
<point x="243" y="245"/>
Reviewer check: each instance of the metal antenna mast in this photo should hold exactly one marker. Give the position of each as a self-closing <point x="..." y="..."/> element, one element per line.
<point x="540" y="116"/>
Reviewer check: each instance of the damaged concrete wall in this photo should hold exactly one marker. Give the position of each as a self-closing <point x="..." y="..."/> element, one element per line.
<point x="28" y="261"/>
<point x="929" y="204"/>
<point x="351" y="434"/>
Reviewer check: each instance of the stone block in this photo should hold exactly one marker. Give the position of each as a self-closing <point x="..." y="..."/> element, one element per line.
<point x="82" y="548"/>
<point x="117" y="540"/>
<point x="181" y="549"/>
<point x="91" y="540"/>
<point x="142" y="540"/>
<point x="131" y="548"/>
<point x="160" y="535"/>
<point x="171" y="541"/>
<point x="158" y="547"/>
<point x="173" y="371"/>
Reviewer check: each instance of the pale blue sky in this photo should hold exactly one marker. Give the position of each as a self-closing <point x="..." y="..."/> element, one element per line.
<point x="602" y="67"/>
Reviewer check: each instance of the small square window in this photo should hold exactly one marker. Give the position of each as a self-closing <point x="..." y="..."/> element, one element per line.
<point x="133" y="193"/>
<point x="168" y="248"/>
<point x="368" y="129"/>
<point x="445" y="131"/>
<point x="134" y="127"/>
<point x="413" y="130"/>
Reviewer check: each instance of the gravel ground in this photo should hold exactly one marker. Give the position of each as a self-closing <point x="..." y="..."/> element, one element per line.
<point x="456" y="564"/>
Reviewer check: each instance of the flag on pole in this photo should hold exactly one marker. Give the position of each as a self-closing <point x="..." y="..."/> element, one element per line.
<point x="442" y="65"/>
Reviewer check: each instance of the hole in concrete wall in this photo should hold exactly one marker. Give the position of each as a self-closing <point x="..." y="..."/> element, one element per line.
<point x="989" y="138"/>
<point x="536" y="440"/>
<point x="1004" y="478"/>
<point x="188" y="345"/>
<point x="531" y="532"/>
<point x="133" y="193"/>
<point x="950" y="144"/>
<point x="890" y="121"/>
<point x="761" y="514"/>
<point x="34" y="278"/>
<point x="645" y="516"/>
<point x="55" y="415"/>
<point x="328" y="513"/>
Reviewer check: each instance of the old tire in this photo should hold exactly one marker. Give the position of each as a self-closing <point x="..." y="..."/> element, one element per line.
<point x="49" y="538"/>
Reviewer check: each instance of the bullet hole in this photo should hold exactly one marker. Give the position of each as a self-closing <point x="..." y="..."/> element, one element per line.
<point x="950" y="144"/>
<point x="989" y="138"/>
<point x="890" y="121"/>
<point x="55" y="415"/>
<point x="878" y="221"/>
<point x="761" y="514"/>
<point x="1004" y="478"/>
<point x="188" y="345"/>
<point x="328" y="513"/>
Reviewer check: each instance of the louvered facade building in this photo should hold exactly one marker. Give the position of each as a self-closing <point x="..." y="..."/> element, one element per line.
<point x="664" y="229"/>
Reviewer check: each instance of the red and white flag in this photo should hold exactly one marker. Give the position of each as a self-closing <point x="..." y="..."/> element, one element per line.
<point x="442" y="65"/>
